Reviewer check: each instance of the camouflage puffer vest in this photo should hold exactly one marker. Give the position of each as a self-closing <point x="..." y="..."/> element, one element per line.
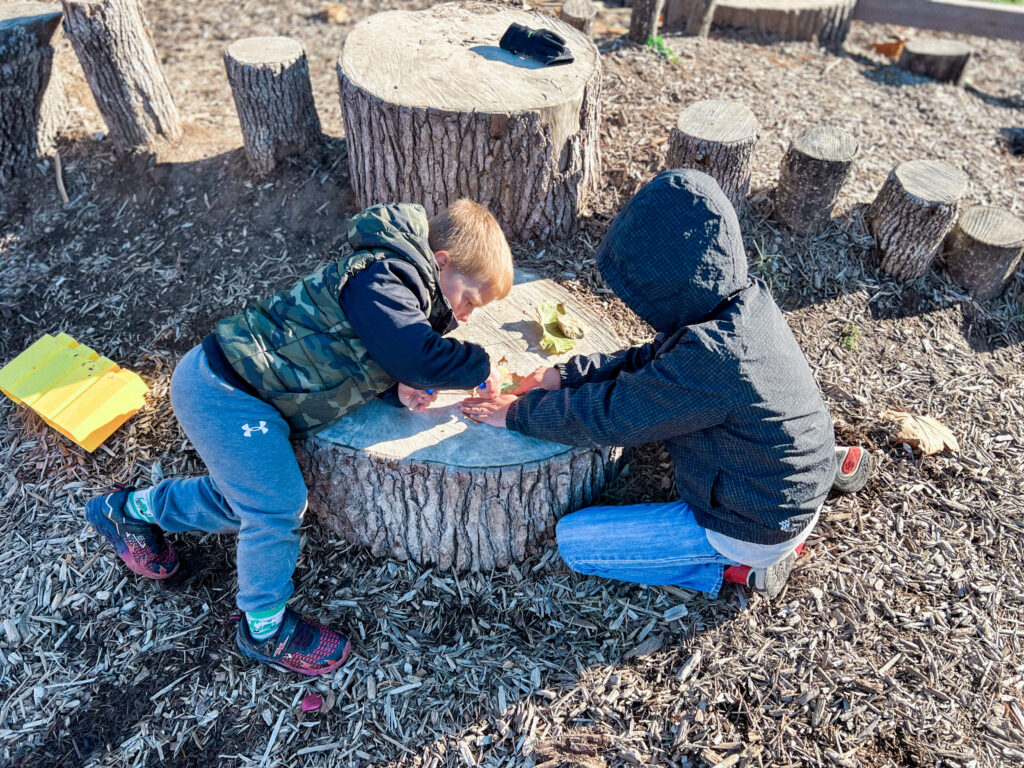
<point x="297" y="348"/>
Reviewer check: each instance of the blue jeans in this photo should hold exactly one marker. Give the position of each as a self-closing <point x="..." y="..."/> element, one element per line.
<point x="255" y="487"/>
<point x="642" y="543"/>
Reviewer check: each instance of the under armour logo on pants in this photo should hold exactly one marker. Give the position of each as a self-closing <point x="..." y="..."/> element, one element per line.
<point x="261" y="428"/>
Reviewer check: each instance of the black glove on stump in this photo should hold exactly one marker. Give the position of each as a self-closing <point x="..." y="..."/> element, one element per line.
<point x="543" y="45"/>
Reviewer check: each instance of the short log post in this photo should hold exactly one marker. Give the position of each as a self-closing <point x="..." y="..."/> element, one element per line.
<point x="984" y="249"/>
<point x="912" y="214"/>
<point x="718" y="138"/>
<point x="813" y="172"/>
<point x="269" y="79"/>
<point x="579" y="14"/>
<point x="696" y="16"/>
<point x="643" y="20"/>
<point x="32" y="102"/>
<point x="116" y="50"/>
<point x="943" y="60"/>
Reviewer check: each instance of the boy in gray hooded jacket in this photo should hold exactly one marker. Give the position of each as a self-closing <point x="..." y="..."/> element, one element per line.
<point x="724" y="385"/>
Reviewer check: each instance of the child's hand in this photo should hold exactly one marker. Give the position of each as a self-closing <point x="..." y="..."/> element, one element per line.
<point x="493" y="388"/>
<point x="545" y="377"/>
<point x="488" y="411"/>
<point x="415" y="399"/>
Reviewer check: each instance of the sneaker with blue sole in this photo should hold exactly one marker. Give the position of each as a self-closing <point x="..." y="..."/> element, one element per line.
<point x="139" y="544"/>
<point x="299" y="645"/>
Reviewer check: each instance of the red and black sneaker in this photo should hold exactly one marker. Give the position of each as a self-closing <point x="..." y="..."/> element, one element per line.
<point x="141" y="545"/>
<point x="855" y="465"/>
<point x="768" y="580"/>
<point x="298" y="645"/>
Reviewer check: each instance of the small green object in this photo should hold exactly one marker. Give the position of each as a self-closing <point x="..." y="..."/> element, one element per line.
<point x="658" y="44"/>
<point x="552" y="339"/>
<point x="850" y="337"/>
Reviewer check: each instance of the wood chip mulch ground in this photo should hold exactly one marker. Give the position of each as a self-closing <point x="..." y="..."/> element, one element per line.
<point x="898" y="641"/>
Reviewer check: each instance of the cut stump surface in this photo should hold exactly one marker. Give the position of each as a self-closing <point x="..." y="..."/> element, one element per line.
<point x="435" y="110"/>
<point x="440" y="490"/>
<point x="984" y="249"/>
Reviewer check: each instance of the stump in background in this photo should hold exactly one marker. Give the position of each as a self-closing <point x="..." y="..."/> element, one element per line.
<point x="436" y="488"/>
<point x="984" y="249"/>
<point x="912" y="214"/>
<point x="269" y="79"/>
<point x="32" y="101"/>
<point x="826" y="21"/>
<point x="696" y="16"/>
<point x="116" y="50"/>
<point x="579" y="14"/>
<point x="813" y="172"/>
<point x="944" y="60"/>
<point x="431" y="118"/>
<point x="643" y="20"/>
<point x="718" y="138"/>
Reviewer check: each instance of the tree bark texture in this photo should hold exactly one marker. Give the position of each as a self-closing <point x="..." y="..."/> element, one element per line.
<point x="984" y="249"/>
<point x="33" y="106"/>
<point x="826" y="21"/>
<point x="696" y="16"/>
<point x="943" y="60"/>
<point x="912" y="214"/>
<point x="116" y="50"/>
<point x="718" y="138"/>
<point x="813" y="172"/>
<point x="579" y="14"/>
<point x="435" y="488"/>
<point x="430" y="119"/>
<point x="643" y="20"/>
<point x="269" y="79"/>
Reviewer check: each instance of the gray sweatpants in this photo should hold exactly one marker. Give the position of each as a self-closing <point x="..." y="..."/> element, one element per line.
<point x="254" y="488"/>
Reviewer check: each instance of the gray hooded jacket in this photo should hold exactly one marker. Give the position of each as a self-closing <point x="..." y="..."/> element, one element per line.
<point x="724" y="384"/>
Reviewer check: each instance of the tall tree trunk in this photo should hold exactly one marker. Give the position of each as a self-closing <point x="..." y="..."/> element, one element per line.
<point x="643" y="20"/>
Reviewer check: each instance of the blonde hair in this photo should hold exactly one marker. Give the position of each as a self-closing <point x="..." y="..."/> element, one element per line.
<point x="475" y="244"/>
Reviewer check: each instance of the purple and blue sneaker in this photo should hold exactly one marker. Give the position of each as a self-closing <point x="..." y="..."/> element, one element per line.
<point x="298" y="645"/>
<point x="141" y="545"/>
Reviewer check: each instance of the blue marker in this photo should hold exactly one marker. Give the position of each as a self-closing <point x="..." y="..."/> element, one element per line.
<point x="482" y="386"/>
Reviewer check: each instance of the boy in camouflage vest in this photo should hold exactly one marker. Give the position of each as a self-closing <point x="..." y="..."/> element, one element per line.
<point x="369" y="325"/>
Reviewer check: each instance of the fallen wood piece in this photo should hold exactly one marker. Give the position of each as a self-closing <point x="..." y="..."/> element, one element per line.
<point x="718" y="138"/>
<point x="812" y="174"/>
<point x="116" y="50"/>
<point x="579" y="14"/>
<point x="643" y="20"/>
<point x="984" y="250"/>
<point x="269" y="80"/>
<point x="32" y="102"/>
<point x="438" y="489"/>
<point x="943" y="60"/>
<point x="432" y="119"/>
<point x="912" y="214"/>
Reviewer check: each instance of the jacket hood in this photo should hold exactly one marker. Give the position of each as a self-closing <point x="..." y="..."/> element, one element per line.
<point x="399" y="227"/>
<point x="675" y="253"/>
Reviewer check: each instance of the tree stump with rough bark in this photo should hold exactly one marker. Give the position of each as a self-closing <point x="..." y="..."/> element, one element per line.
<point x="116" y="50"/>
<point x="826" y="21"/>
<point x="912" y="214"/>
<point x="643" y="20"/>
<point x="718" y="138"/>
<point x="32" y="102"/>
<point x="943" y="60"/>
<point x="269" y="79"/>
<point x="579" y="14"/>
<point x="434" y="487"/>
<point x="434" y="110"/>
<point x="696" y="16"/>
<point x="813" y="172"/>
<point x="984" y="249"/>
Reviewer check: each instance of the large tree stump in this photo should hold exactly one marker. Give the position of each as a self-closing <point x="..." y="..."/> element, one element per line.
<point x="695" y="16"/>
<point x="579" y="14"/>
<point x="116" y="50"/>
<point x="944" y="60"/>
<point x="269" y="79"/>
<point x="826" y="21"/>
<point x="434" y="110"/>
<point x="643" y="20"/>
<point x="912" y="214"/>
<point x="32" y="102"/>
<point x="983" y="250"/>
<point x="718" y="138"/>
<point x="440" y="490"/>
<point x="813" y="172"/>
